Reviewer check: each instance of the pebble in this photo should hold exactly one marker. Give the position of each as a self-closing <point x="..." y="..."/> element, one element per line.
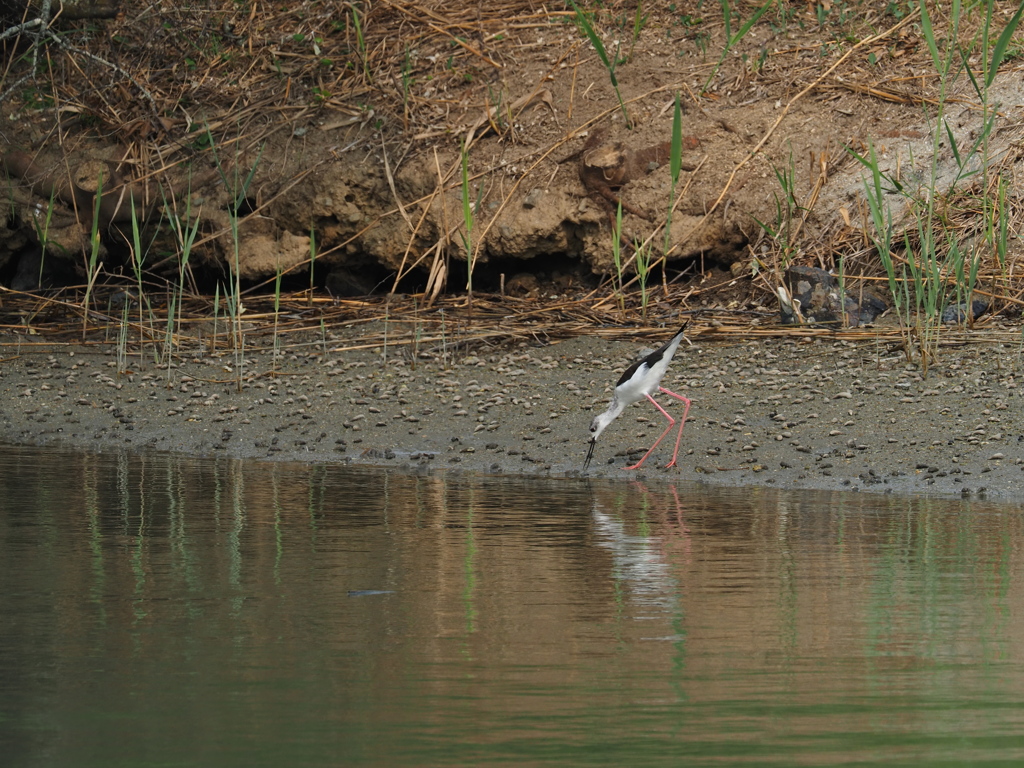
<point x="760" y="378"/>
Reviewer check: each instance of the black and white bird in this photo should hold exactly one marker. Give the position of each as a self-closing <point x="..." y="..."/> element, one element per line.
<point x="643" y="379"/>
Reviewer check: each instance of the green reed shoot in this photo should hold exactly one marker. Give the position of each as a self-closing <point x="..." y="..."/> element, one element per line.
<point x="991" y="58"/>
<point x="361" y="42"/>
<point x="881" y="214"/>
<point x="639" y="22"/>
<point x="165" y="357"/>
<point x="926" y="272"/>
<point x="731" y="40"/>
<point x="277" y="313"/>
<point x="643" y="271"/>
<point x="312" y="261"/>
<point x="234" y="302"/>
<point x="43" y="235"/>
<point x="444" y="342"/>
<point x="927" y="266"/>
<point x="918" y="289"/>
<point x="122" y="339"/>
<point x="841" y="281"/>
<point x="617" y="257"/>
<point x="216" y="316"/>
<point x="998" y="223"/>
<point x="136" y="255"/>
<point x="499" y="113"/>
<point x="137" y="258"/>
<point x="786" y="207"/>
<point x="467" y="219"/>
<point x="416" y="334"/>
<point x="610" y="63"/>
<point x="94" y="254"/>
<point x="881" y="237"/>
<point x="675" y="166"/>
<point x="387" y="313"/>
<point x="238" y="188"/>
<point x="235" y="307"/>
<point x="991" y="61"/>
<point x="407" y="82"/>
<point x="323" y="338"/>
<point x="965" y="267"/>
<point x="186" y="232"/>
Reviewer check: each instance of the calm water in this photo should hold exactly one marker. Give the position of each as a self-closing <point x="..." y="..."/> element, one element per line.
<point x="163" y="611"/>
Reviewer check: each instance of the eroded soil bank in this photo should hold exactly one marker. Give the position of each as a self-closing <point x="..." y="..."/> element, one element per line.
<point x="806" y="413"/>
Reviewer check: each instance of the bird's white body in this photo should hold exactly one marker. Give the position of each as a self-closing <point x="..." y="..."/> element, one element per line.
<point x="642" y="379"/>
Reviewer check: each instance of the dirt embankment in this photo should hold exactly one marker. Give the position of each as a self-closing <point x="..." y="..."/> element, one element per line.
<point x="337" y="132"/>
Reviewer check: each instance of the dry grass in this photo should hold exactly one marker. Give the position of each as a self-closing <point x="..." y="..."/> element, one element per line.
<point x="402" y="324"/>
<point x="165" y="82"/>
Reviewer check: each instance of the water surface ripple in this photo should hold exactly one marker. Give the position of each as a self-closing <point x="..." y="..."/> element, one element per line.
<point x="164" y="610"/>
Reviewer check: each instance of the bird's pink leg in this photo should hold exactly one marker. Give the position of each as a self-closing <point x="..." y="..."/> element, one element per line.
<point x="671" y="423"/>
<point x="682" y="423"/>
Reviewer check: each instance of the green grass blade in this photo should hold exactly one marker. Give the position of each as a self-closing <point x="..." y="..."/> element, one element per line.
<point x="595" y="40"/>
<point x="467" y="217"/>
<point x="751" y="22"/>
<point x="467" y="211"/>
<point x="676" y="158"/>
<point x="965" y="59"/>
<point x="1002" y="43"/>
<point x="929" y="36"/>
<point x="952" y="145"/>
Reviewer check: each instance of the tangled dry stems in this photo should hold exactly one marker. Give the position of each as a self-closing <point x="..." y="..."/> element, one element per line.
<point x="165" y="79"/>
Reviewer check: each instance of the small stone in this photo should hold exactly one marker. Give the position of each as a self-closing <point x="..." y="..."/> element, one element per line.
<point x="532" y="198"/>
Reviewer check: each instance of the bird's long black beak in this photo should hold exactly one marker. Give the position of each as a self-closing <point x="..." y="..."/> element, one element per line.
<point x="590" y="454"/>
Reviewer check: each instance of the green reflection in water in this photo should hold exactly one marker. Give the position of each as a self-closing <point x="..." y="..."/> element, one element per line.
<point x="92" y="512"/>
<point x="469" y="570"/>
<point x="160" y="610"/>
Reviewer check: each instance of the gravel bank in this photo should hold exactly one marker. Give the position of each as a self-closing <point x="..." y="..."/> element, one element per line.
<point x="793" y="413"/>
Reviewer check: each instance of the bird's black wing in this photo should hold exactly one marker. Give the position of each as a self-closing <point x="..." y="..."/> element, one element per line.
<point x="652" y="359"/>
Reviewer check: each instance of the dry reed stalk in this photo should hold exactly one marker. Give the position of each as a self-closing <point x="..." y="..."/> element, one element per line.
<point x="254" y="91"/>
<point x="496" y="319"/>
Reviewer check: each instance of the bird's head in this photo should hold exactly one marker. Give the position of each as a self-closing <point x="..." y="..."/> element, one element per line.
<point x="596" y="428"/>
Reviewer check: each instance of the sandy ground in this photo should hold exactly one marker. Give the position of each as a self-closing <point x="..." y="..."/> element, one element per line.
<point x="791" y="414"/>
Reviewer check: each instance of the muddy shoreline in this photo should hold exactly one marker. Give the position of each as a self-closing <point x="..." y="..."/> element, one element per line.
<point x="812" y="414"/>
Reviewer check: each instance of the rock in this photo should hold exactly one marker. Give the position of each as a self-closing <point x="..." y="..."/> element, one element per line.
<point x="523" y="284"/>
<point x="533" y="198"/>
<point x="957" y="313"/>
<point x="262" y="254"/>
<point x="815" y="298"/>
